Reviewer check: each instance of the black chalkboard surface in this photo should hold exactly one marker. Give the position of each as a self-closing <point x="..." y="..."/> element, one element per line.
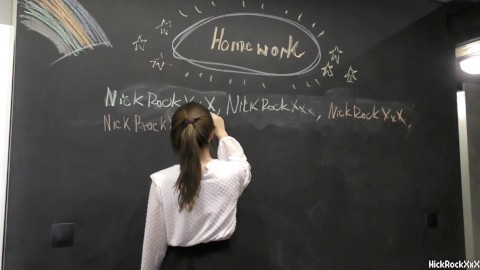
<point x="346" y="112"/>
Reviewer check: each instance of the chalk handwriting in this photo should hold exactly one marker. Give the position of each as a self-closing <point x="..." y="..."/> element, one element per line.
<point x="241" y="105"/>
<point x="112" y="99"/>
<point x="135" y="123"/>
<point x="157" y="102"/>
<point x="141" y="125"/>
<point x="233" y="104"/>
<point x="313" y="109"/>
<point x="111" y="123"/>
<point x="373" y="112"/>
<point x="221" y="44"/>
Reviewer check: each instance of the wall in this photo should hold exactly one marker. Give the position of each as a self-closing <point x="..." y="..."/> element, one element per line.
<point x="469" y="131"/>
<point x="464" y="26"/>
<point x="6" y="67"/>
<point x="6" y="7"/>
<point x="430" y="85"/>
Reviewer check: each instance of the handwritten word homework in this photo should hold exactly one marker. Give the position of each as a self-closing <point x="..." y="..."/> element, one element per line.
<point x="221" y="44"/>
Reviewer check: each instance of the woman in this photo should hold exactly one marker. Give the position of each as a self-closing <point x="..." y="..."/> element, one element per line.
<point x="196" y="201"/>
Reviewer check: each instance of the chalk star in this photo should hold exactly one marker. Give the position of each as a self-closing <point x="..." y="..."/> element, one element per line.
<point x="335" y="54"/>
<point x="351" y="75"/>
<point x="327" y="70"/>
<point x="164" y="27"/>
<point x="165" y="23"/>
<point x="140" y="43"/>
<point x="156" y="62"/>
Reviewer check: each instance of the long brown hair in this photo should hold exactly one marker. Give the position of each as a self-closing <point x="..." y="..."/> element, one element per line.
<point x="192" y="125"/>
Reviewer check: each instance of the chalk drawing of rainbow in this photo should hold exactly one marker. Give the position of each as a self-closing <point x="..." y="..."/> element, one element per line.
<point x="66" y="23"/>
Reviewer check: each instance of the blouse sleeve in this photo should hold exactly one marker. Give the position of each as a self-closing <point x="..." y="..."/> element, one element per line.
<point x="155" y="239"/>
<point x="229" y="149"/>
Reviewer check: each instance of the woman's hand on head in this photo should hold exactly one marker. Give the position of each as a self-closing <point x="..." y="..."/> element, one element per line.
<point x="219" y="129"/>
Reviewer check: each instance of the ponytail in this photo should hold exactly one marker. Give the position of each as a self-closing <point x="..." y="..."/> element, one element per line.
<point x="191" y="128"/>
<point x="188" y="183"/>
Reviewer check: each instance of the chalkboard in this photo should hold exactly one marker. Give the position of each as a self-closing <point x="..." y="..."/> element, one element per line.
<point x="346" y="112"/>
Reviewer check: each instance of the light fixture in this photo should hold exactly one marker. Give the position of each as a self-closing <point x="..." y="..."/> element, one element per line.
<point x="471" y="64"/>
<point x="469" y="56"/>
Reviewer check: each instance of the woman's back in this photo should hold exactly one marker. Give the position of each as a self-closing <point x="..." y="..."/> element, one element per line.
<point x="196" y="201"/>
<point x="214" y="216"/>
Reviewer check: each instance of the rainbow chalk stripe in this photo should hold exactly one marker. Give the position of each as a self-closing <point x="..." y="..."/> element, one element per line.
<point x="66" y="23"/>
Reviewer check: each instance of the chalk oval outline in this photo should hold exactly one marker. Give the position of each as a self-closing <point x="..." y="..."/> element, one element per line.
<point x="214" y="66"/>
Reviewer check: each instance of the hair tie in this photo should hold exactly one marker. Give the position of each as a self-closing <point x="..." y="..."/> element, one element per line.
<point x="188" y="121"/>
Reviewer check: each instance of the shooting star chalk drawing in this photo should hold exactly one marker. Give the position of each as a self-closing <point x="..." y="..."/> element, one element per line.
<point x="66" y="23"/>
<point x="233" y="68"/>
